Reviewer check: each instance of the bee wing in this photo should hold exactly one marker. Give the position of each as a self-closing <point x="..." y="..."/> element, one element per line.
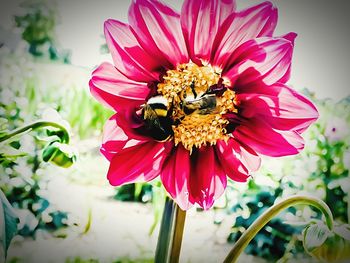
<point x="207" y="103"/>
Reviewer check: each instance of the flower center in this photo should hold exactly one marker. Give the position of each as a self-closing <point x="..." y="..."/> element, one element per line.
<point x="197" y="101"/>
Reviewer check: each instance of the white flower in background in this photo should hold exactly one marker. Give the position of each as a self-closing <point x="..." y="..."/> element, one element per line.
<point x="337" y="129"/>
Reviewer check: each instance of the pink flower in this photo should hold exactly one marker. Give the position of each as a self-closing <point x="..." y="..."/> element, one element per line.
<point x="198" y="96"/>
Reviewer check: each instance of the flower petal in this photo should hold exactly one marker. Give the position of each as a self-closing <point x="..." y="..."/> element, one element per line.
<point x="175" y="177"/>
<point x="237" y="159"/>
<point x="157" y="28"/>
<point x="262" y="59"/>
<point x="114" y="102"/>
<point x="253" y="22"/>
<point x="137" y="163"/>
<point x="265" y="140"/>
<point x="115" y="139"/>
<point x="110" y="86"/>
<point x="208" y="181"/>
<point x="128" y="56"/>
<point x="280" y="106"/>
<point x="201" y="21"/>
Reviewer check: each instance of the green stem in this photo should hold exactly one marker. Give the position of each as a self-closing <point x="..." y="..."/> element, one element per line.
<point x="170" y="233"/>
<point x="250" y="233"/>
<point x="36" y="125"/>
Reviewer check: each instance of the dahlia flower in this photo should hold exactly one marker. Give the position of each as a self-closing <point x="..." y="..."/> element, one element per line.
<point x="199" y="95"/>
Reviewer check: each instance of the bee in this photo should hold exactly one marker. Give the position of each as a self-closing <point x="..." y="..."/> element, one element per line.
<point x="205" y="104"/>
<point x="158" y="114"/>
<point x="201" y="104"/>
<point x="157" y="119"/>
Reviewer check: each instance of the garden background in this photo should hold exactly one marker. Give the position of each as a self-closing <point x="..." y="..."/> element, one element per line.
<point x="47" y="52"/>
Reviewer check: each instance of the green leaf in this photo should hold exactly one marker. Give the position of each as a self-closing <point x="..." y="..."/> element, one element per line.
<point x="8" y="224"/>
<point x="59" y="154"/>
<point x="315" y="235"/>
<point x="138" y="190"/>
<point x="88" y="223"/>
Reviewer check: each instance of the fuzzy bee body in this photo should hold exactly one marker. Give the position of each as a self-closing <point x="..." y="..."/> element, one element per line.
<point x="155" y="114"/>
<point x="203" y="105"/>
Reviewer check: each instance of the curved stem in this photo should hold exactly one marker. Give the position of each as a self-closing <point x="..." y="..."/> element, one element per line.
<point x="36" y="125"/>
<point x="250" y="233"/>
<point x="170" y="233"/>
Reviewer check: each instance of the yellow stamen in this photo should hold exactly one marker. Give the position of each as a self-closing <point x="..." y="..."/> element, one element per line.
<point x="205" y="124"/>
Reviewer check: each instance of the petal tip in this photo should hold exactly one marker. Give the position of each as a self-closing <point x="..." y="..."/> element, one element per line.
<point x="291" y="37"/>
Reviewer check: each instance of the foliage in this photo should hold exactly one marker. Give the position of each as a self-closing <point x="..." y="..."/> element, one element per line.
<point x="27" y="90"/>
<point x="8" y="225"/>
<point x="122" y="260"/>
<point x="271" y="242"/>
<point x="139" y="192"/>
<point x="38" y="30"/>
<point x="24" y="180"/>
<point x="322" y="169"/>
<point x="327" y="245"/>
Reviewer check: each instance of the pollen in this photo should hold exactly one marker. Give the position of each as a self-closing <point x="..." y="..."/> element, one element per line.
<point x="197" y="112"/>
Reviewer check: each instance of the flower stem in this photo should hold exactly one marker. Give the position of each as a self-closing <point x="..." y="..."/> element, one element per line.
<point x="250" y="233"/>
<point x="36" y="125"/>
<point x="170" y="233"/>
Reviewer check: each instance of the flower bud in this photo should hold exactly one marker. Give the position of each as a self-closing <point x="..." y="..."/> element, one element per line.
<point x="59" y="154"/>
<point x="325" y="245"/>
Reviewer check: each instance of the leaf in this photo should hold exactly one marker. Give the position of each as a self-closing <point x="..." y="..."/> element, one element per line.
<point x="88" y="223"/>
<point x="138" y="190"/>
<point x="343" y="231"/>
<point x="8" y="224"/>
<point x="315" y="235"/>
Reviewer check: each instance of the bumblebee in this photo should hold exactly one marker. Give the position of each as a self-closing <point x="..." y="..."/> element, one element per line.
<point x="205" y="104"/>
<point x="157" y="113"/>
<point x="157" y="119"/>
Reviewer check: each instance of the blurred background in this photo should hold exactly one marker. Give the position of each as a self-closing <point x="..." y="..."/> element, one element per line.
<point x="47" y="52"/>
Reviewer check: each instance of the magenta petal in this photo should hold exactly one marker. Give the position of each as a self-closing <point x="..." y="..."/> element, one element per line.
<point x="207" y="181"/>
<point x="114" y="102"/>
<point x="237" y="159"/>
<point x="115" y="138"/>
<point x="113" y="88"/>
<point x="256" y="21"/>
<point x="265" y="140"/>
<point x="175" y="177"/>
<point x="157" y="27"/>
<point x="264" y="59"/>
<point x="131" y="123"/>
<point x="128" y="56"/>
<point x="201" y="21"/>
<point x="280" y="106"/>
<point x="137" y="163"/>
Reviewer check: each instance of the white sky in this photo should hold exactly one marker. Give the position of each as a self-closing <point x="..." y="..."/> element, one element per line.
<point x="321" y="57"/>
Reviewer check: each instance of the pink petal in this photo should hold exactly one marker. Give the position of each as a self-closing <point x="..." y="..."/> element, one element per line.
<point x="114" y="102"/>
<point x="115" y="139"/>
<point x="265" y="140"/>
<point x="175" y="177"/>
<point x="208" y="180"/>
<point x="136" y="163"/>
<point x="201" y="21"/>
<point x="132" y="125"/>
<point x="108" y="84"/>
<point x="128" y="56"/>
<point x="237" y="159"/>
<point x="280" y="106"/>
<point x="263" y="59"/>
<point x="256" y="21"/>
<point x="157" y="28"/>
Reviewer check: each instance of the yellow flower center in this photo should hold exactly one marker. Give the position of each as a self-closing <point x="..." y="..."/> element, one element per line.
<point x="196" y="110"/>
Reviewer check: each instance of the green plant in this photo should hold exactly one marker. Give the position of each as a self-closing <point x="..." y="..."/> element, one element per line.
<point x="322" y="169"/>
